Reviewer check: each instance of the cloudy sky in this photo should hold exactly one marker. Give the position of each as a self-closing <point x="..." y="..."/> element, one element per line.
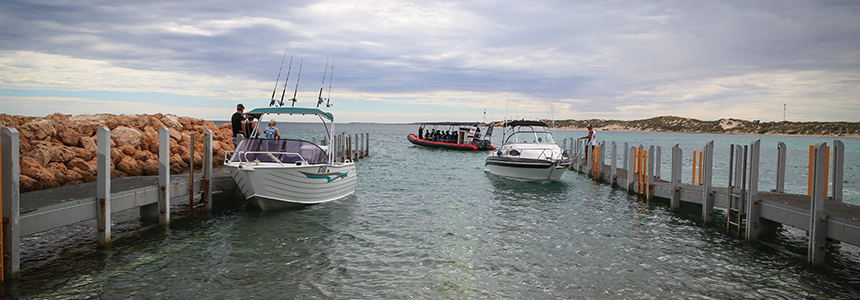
<point x="405" y="61"/>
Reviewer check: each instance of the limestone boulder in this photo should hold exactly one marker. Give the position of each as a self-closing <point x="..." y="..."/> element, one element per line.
<point x="33" y="169"/>
<point x="171" y="121"/>
<point x="89" y="143"/>
<point x="126" y="136"/>
<point x="129" y="166"/>
<point x="69" y="135"/>
<point x="149" y="167"/>
<point x="39" y="129"/>
<point x="78" y="163"/>
<point x="28" y="184"/>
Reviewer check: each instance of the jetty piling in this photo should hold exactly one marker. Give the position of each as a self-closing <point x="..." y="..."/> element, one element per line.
<point x="9" y="157"/>
<point x="750" y="213"/>
<point x="103" y="187"/>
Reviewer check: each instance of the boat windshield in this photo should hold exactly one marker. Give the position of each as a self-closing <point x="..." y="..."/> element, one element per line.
<point x="530" y="134"/>
<point x="285" y="151"/>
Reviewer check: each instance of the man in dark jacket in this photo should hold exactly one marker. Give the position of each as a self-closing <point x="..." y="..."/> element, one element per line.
<point x="238" y="122"/>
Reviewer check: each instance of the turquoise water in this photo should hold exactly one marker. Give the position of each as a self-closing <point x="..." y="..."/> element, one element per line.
<point x="431" y="224"/>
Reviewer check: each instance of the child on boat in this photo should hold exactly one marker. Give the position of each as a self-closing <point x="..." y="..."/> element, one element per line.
<point x="272" y="132"/>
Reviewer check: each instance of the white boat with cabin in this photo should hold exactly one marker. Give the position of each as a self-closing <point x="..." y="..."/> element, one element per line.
<point x="280" y="173"/>
<point x="528" y="153"/>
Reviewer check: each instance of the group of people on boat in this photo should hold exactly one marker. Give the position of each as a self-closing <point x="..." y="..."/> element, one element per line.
<point x="244" y="127"/>
<point x="442" y="136"/>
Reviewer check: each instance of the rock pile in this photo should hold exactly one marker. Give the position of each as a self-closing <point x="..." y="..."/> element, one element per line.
<point x="60" y="150"/>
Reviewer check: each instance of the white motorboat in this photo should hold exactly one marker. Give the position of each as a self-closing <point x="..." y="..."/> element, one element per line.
<point x="279" y="173"/>
<point x="528" y="153"/>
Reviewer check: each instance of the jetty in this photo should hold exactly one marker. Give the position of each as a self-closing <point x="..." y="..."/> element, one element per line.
<point x="39" y="211"/>
<point x="750" y="213"/>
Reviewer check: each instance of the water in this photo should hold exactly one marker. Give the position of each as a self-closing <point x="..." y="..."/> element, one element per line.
<point x="430" y="224"/>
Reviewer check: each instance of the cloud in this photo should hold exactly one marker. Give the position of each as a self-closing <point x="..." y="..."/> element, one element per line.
<point x="612" y="59"/>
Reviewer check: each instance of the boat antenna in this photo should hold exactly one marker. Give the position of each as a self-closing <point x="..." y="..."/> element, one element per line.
<point x="279" y="78"/>
<point x="301" y="62"/>
<point x="322" y="85"/>
<point x="281" y="103"/>
<point x="330" y="76"/>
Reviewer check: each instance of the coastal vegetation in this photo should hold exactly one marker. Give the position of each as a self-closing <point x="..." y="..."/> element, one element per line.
<point x="721" y="126"/>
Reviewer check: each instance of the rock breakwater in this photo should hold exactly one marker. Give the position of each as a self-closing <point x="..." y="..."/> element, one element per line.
<point x="60" y="150"/>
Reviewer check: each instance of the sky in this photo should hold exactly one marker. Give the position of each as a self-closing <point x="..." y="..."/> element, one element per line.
<point x="393" y="61"/>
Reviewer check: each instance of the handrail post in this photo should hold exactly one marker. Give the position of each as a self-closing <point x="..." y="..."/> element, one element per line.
<point x="164" y="175"/>
<point x="9" y="155"/>
<point x="103" y="188"/>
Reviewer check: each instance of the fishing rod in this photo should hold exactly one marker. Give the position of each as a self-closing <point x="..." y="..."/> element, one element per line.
<point x="285" y="82"/>
<point x="331" y="75"/>
<point x="297" y="82"/>
<point x="319" y="98"/>
<point x="279" y="77"/>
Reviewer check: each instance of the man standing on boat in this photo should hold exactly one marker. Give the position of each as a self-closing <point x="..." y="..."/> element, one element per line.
<point x="421" y="132"/>
<point x="591" y="141"/>
<point x="238" y="127"/>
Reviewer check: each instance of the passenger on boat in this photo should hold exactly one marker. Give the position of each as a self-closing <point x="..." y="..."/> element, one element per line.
<point x="421" y="132"/>
<point x="272" y="132"/>
<point x="238" y="124"/>
<point x="455" y="136"/>
<point x="251" y="128"/>
<point x="427" y="135"/>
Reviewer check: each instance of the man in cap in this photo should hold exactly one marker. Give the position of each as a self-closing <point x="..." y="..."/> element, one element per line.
<point x="238" y="122"/>
<point x="591" y="140"/>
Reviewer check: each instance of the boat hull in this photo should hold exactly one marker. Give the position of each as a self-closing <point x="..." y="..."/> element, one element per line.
<point x="425" y="143"/>
<point x="524" y="169"/>
<point x="275" y="186"/>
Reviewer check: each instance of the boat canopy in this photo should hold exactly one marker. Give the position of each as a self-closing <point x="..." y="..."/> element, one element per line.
<point x="257" y="112"/>
<point x="524" y="123"/>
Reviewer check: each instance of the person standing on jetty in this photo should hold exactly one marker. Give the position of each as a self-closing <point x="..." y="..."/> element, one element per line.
<point x="238" y="125"/>
<point x="591" y="141"/>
